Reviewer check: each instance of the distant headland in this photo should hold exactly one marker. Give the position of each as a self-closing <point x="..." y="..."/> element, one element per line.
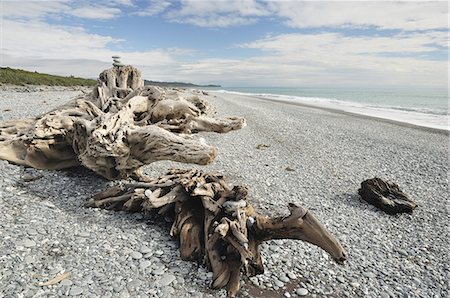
<point x="176" y="84"/>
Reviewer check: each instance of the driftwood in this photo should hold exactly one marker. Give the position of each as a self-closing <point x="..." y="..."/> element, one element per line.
<point x="116" y="129"/>
<point x="121" y="126"/>
<point x="386" y="195"/>
<point x="215" y="223"/>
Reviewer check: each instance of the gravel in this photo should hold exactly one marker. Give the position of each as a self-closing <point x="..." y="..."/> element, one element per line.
<point x="45" y="230"/>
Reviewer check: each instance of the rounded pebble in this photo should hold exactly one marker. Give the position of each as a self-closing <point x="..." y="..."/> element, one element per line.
<point x="144" y="264"/>
<point x="136" y="255"/>
<point x="75" y="291"/>
<point x="66" y="282"/>
<point x="301" y="292"/>
<point x="166" y="279"/>
<point x="29" y="243"/>
<point x="369" y="274"/>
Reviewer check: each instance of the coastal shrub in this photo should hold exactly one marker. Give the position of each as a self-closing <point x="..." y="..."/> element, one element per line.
<point x="22" y="77"/>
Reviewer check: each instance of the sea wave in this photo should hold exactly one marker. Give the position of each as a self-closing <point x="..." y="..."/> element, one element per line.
<point x="426" y="117"/>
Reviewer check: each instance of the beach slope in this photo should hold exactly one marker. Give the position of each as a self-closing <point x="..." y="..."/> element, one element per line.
<point x="287" y="153"/>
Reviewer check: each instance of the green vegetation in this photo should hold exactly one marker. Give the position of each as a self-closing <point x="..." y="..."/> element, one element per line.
<point x="23" y="77"/>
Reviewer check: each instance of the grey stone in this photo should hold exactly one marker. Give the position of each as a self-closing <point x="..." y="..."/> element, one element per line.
<point x="158" y="271"/>
<point x="402" y="252"/>
<point x="32" y="232"/>
<point x="278" y="283"/>
<point x="28" y="259"/>
<point x="369" y="274"/>
<point x="144" y="264"/>
<point x="134" y="284"/>
<point x="301" y="292"/>
<point x="75" y="291"/>
<point x="384" y="295"/>
<point x="284" y="278"/>
<point x="254" y="280"/>
<point x="145" y="250"/>
<point x="29" y="243"/>
<point x="136" y="255"/>
<point x="340" y="279"/>
<point x="291" y="275"/>
<point x="48" y="204"/>
<point x="66" y="282"/>
<point x="166" y="279"/>
<point x="124" y="294"/>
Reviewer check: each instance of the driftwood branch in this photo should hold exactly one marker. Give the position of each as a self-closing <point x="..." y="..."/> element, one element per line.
<point x="216" y="224"/>
<point x="116" y="129"/>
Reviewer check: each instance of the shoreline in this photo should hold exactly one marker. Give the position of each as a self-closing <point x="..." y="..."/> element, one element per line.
<point x="363" y="116"/>
<point x="341" y="111"/>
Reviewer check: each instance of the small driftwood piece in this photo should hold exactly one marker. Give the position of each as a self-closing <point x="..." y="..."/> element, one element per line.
<point x="386" y="195"/>
<point x="215" y="223"/>
<point x="117" y="128"/>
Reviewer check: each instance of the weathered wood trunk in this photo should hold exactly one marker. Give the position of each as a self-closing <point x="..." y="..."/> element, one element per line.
<point x="116" y="129"/>
<point x="386" y="195"/>
<point x="215" y="223"/>
<point x="121" y="126"/>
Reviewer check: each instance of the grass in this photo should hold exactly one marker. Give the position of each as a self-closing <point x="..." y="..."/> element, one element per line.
<point x="22" y="77"/>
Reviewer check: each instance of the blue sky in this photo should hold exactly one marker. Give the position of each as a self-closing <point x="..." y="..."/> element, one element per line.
<point x="234" y="43"/>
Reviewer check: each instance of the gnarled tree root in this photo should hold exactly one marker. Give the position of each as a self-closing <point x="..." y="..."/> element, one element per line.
<point x="215" y="223"/>
<point x="117" y="128"/>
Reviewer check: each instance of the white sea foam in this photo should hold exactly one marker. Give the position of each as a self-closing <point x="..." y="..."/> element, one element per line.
<point x="424" y="117"/>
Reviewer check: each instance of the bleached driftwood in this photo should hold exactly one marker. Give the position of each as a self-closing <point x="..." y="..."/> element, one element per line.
<point x="216" y="224"/>
<point x="121" y="126"/>
<point x="116" y="129"/>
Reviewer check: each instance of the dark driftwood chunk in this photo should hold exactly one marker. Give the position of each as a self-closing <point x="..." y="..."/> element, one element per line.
<point x="386" y="195"/>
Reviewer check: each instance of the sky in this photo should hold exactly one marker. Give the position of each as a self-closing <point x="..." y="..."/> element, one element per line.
<point x="233" y="42"/>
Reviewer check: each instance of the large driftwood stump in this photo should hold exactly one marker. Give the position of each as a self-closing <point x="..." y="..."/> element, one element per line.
<point x="386" y="195"/>
<point x="116" y="129"/>
<point x="215" y="223"/>
<point x="121" y="126"/>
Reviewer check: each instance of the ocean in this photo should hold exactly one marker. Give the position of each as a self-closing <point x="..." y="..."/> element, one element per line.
<point x="426" y="107"/>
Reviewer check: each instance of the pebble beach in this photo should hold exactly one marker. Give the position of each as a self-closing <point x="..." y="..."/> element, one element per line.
<point x="287" y="153"/>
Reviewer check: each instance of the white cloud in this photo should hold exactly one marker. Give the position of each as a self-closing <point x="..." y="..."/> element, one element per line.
<point x="329" y="59"/>
<point x="218" y="13"/>
<point x="241" y="7"/>
<point x="286" y="60"/>
<point x="122" y="2"/>
<point x="409" y="15"/>
<point x="32" y="9"/>
<point x="419" y="15"/>
<point x="36" y="10"/>
<point x="353" y="59"/>
<point x="39" y="39"/>
<point x="217" y="21"/>
<point x="95" y="12"/>
<point x="155" y="7"/>
<point x="357" y="45"/>
<point x="326" y="58"/>
<point x="35" y="40"/>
